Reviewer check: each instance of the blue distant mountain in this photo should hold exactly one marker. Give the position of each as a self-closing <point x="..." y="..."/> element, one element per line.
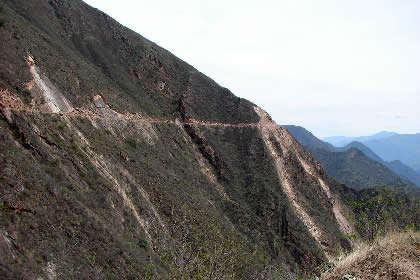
<point x="402" y="147"/>
<point x="389" y="146"/>
<point x="341" y="141"/>
<point x="397" y="166"/>
<point x="363" y="148"/>
<point x="357" y="163"/>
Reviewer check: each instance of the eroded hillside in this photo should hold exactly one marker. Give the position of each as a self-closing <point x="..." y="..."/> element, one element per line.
<point x="118" y="160"/>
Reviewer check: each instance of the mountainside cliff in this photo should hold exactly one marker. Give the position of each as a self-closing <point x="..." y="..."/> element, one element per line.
<point x="120" y="161"/>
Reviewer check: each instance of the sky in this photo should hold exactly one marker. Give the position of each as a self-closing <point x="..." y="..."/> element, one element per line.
<point x="347" y="68"/>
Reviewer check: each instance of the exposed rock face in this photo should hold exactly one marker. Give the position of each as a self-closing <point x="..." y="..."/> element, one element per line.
<point x="47" y="95"/>
<point x="291" y="154"/>
<point x="9" y="100"/>
<point x="123" y="161"/>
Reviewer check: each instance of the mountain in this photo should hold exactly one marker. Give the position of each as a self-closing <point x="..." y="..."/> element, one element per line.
<point x="403" y="147"/>
<point x="338" y="141"/>
<point x="120" y="161"/>
<point x="355" y="164"/>
<point x="307" y="139"/>
<point x="404" y="171"/>
<point x="388" y="146"/>
<point x="355" y="169"/>
<point x="358" y="145"/>
<point x="341" y="141"/>
<point x="396" y="166"/>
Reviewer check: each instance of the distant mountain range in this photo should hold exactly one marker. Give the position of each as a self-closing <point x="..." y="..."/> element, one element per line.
<point x="356" y="164"/>
<point x="341" y="141"/>
<point x="389" y="146"/>
<point x="403" y="147"/>
<point x="358" y="145"/>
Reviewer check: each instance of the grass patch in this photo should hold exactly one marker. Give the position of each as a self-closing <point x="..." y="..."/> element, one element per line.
<point x="389" y="257"/>
<point x="61" y="124"/>
<point x="132" y="142"/>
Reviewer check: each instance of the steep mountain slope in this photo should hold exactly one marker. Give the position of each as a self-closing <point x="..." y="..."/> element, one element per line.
<point x="403" y="147"/>
<point x="99" y="55"/>
<point x="120" y="161"/>
<point x="355" y="164"/>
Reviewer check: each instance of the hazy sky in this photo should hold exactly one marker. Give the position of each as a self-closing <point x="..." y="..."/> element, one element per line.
<point x="334" y="67"/>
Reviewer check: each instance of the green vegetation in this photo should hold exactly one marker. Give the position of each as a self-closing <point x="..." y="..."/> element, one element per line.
<point x="210" y="250"/>
<point x="62" y="124"/>
<point x="132" y="142"/>
<point x="382" y="210"/>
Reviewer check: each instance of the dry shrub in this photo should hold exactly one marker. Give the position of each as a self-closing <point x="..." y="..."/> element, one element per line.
<point x="395" y="256"/>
